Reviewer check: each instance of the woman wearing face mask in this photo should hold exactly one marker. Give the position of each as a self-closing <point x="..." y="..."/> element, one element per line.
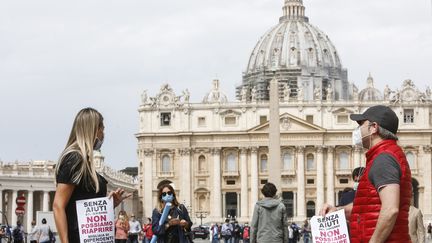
<point x="76" y="174"/>
<point x="178" y="224"/>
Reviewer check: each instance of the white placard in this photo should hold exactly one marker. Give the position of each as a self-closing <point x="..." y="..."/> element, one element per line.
<point x="330" y="229"/>
<point x="96" y="220"/>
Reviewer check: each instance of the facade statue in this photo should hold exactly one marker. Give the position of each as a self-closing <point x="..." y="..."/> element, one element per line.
<point x="144" y="97"/>
<point x="186" y="96"/>
<point x="300" y="94"/>
<point x="428" y="93"/>
<point x="317" y="93"/>
<point x="329" y="93"/>
<point x="243" y="94"/>
<point x="253" y="94"/>
<point x="287" y="93"/>
<point x="387" y="92"/>
<point x="355" y="92"/>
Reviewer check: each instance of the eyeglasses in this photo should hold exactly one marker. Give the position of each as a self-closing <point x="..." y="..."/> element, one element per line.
<point x="165" y="193"/>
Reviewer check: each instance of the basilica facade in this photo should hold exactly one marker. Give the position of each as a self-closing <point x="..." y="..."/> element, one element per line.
<point x="216" y="152"/>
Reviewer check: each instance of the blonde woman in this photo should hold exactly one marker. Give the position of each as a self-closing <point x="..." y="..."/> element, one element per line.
<point x="76" y="175"/>
<point x="122" y="227"/>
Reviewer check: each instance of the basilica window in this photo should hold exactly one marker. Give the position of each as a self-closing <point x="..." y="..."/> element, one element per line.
<point x="411" y="159"/>
<point x="288" y="200"/>
<point x="230" y="120"/>
<point x="310" y="162"/>
<point x="263" y="119"/>
<point x="263" y="163"/>
<point x="310" y="209"/>
<point x="408" y="116"/>
<point x="166" y="163"/>
<point x="201" y="121"/>
<point x="288" y="161"/>
<point x="202" y="167"/>
<point x="309" y="118"/>
<point x="231" y="163"/>
<point x="342" y="119"/>
<point x="343" y="161"/>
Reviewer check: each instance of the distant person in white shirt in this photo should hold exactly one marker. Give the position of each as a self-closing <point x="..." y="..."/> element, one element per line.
<point x="134" y="230"/>
<point x="34" y="233"/>
<point x="44" y="232"/>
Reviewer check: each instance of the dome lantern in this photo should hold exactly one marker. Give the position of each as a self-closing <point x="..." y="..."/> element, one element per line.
<point x="293" y="10"/>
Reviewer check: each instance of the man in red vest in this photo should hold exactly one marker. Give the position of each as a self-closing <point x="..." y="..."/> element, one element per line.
<point x="380" y="209"/>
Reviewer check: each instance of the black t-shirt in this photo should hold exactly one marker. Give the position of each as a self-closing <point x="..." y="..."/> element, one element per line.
<point x="67" y="169"/>
<point x="385" y="170"/>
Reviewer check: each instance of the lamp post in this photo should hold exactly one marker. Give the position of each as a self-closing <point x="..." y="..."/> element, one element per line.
<point x="201" y="215"/>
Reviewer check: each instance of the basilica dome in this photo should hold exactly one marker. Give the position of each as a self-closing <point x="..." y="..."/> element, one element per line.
<point x="301" y="56"/>
<point x="370" y="93"/>
<point x="292" y="43"/>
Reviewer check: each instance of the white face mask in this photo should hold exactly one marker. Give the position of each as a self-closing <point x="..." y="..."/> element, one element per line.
<point x="357" y="138"/>
<point x="356" y="185"/>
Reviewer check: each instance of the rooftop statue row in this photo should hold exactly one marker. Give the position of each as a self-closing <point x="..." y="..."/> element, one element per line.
<point x="408" y="92"/>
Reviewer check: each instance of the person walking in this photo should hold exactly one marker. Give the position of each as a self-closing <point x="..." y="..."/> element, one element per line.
<point x="44" y="232"/>
<point x="33" y="235"/>
<point x="147" y="231"/>
<point x="429" y="231"/>
<point x="269" y="221"/>
<point x="122" y="227"/>
<point x="178" y="224"/>
<point x="226" y="231"/>
<point x="416" y="227"/>
<point x="306" y="231"/>
<point x="134" y="229"/>
<point x="18" y="233"/>
<point x="76" y="175"/>
<point x="246" y="233"/>
<point x="384" y="192"/>
<point x="215" y="233"/>
<point x="237" y="232"/>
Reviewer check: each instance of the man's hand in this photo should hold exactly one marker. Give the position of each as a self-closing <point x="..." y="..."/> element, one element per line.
<point x="183" y="223"/>
<point x="118" y="196"/>
<point x="327" y="208"/>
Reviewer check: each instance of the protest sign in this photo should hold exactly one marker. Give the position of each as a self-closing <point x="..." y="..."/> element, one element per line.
<point x="96" y="220"/>
<point x="330" y="229"/>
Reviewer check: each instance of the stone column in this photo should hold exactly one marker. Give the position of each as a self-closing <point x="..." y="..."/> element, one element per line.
<point x="427" y="180"/>
<point x="14" y="206"/>
<point x="244" y="184"/>
<point x="301" y="204"/>
<point x="357" y="156"/>
<point x="254" y="179"/>
<point x="148" y="185"/>
<point x="320" y="179"/>
<point x="45" y="201"/>
<point x="1" y="206"/>
<point x="217" y="190"/>
<point x="223" y="205"/>
<point x="238" y="205"/>
<point x="186" y="175"/>
<point x="29" y="210"/>
<point x="330" y="176"/>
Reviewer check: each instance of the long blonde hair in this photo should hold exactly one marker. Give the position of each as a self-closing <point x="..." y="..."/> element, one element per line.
<point x="86" y="125"/>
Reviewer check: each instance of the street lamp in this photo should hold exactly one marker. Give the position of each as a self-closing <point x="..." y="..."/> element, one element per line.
<point x="201" y="215"/>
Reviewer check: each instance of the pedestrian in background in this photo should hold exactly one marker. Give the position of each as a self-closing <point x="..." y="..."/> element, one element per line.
<point x="415" y="224"/>
<point x="269" y="221"/>
<point x="306" y="231"/>
<point x="122" y="227"/>
<point x="226" y="231"/>
<point x="134" y="229"/>
<point x="76" y="175"/>
<point x="44" y="232"/>
<point x="147" y="231"/>
<point x="33" y="235"/>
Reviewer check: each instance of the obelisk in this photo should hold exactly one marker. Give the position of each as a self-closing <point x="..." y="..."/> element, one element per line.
<point x="274" y="163"/>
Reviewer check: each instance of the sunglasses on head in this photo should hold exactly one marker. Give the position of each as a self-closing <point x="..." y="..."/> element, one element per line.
<point x="165" y="193"/>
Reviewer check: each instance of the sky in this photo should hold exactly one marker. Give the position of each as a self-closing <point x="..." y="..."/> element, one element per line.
<point x="57" y="57"/>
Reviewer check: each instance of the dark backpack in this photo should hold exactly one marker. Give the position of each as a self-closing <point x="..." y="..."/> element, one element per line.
<point x="16" y="233"/>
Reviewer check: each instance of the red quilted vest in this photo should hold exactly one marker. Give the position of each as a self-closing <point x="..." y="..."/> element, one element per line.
<point x="367" y="204"/>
